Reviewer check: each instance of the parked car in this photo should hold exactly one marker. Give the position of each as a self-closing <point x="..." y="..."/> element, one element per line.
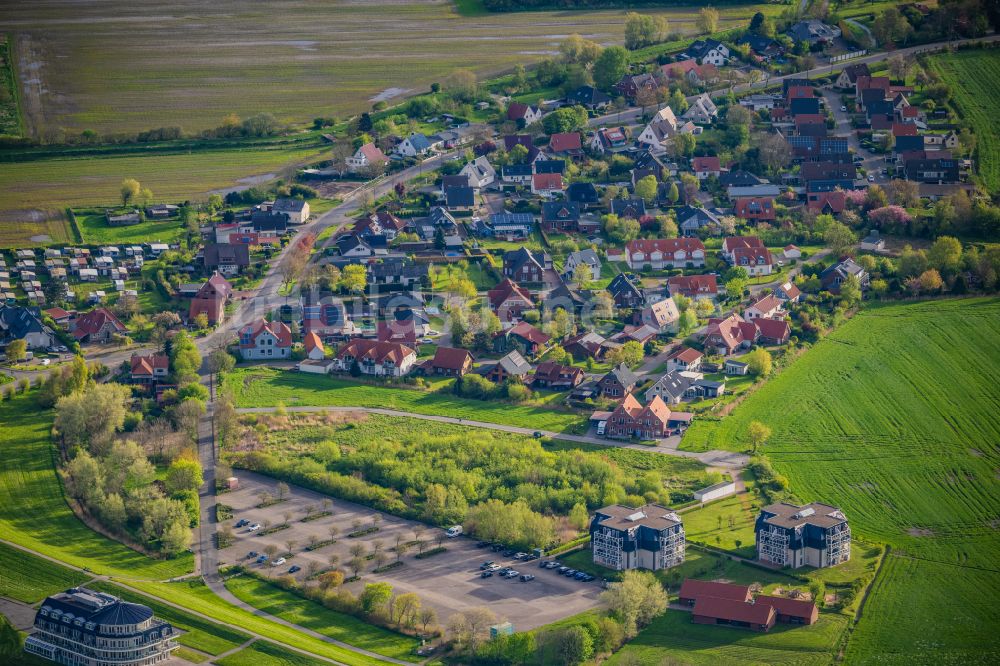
<point x="483" y="544"/>
<point x="520" y="556"/>
<point x="242" y="522"/>
<point x="254" y="527"/>
<point x="871" y="178"/>
<point x="569" y="572"/>
<point x="497" y="547"/>
<point x="262" y="559"/>
<point x="580" y="575"/>
<point x="485" y="574"/>
<point x="508" y="552"/>
<point x="454" y="531"/>
<point x="294" y="569"/>
<point x="493" y="567"/>
<point x="252" y="554"/>
<point x="587" y="578"/>
<point x="278" y="562"/>
<point x="512" y="574"/>
<point x="486" y="565"/>
<point x="562" y="570"/>
<point x="526" y="578"/>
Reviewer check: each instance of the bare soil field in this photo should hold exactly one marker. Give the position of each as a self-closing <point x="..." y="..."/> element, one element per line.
<point x="34" y="226"/>
<point x="116" y="66"/>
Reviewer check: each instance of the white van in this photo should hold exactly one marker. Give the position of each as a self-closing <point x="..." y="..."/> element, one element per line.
<point x="454" y="531"/>
<point x="601" y="426"/>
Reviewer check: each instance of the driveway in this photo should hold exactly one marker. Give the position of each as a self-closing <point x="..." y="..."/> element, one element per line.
<point x="449" y="582"/>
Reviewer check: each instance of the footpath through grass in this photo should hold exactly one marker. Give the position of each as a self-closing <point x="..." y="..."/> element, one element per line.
<point x="895" y="418"/>
<point x="304" y="612"/>
<point x="974" y="79"/>
<point x="33" y="510"/>
<point x="28" y="578"/>
<point x="196" y="596"/>
<point x="267" y="387"/>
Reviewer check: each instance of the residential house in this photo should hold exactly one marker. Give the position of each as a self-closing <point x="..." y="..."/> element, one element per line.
<point x="509" y="301"/>
<point x="763" y="47"/>
<point x="460" y="198"/>
<point x="99" y="325"/>
<point x="226" y="258"/>
<point x="266" y="224"/>
<point x="523" y="337"/>
<point x="587" y="345"/>
<point x="660" y="253"/>
<point x="523" y="114"/>
<point x="516" y="175"/>
<point x="709" y="51"/>
<point x="512" y="226"/>
<point x="511" y="140"/>
<point x="511" y="366"/>
<point x="355" y="247"/>
<point x="684" y="359"/>
<point x="588" y="97"/>
<point x="702" y="110"/>
<point x="449" y="362"/>
<point x="630" y="85"/>
<point x="383" y="359"/>
<point x="872" y="242"/>
<point x="397" y="271"/>
<point x="933" y="170"/>
<point x="804" y="106"/>
<point x="567" y="144"/>
<point x="210" y="300"/>
<point x="691" y="220"/>
<point x="625" y="291"/>
<point x="563" y="297"/>
<point x="262" y="339"/>
<point x="630" y="420"/>
<point x="297" y="210"/>
<point x="768" y="307"/>
<point x="650" y="537"/>
<point x="814" y="535"/>
<point x="788" y="292"/>
<point x="379" y="223"/>
<point x="661" y="316"/>
<point x="148" y="368"/>
<point x="560" y="216"/>
<point x="675" y="387"/>
<point x="735" y="368"/>
<point x="618" y="382"/>
<point x="759" y="102"/>
<point x="693" y="286"/>
<point x="524" y="265"/>
<point x="587" y="258"/>
<point x="633" y="208"/>
<point x="456" y="180"/>
<point x="610" y="140"/>
<point x="791" y="252"/>
<point x="367" y="156"/>
<point x="640" y="333"/>
<point x="755" y="209"/>
<point x="833" y="277"/>
<point x="583" y="194"/>
<point x="556" y="377"/>
<point x="706" y="167"/>
<point x="480" y="173"/>
<point x="826" y="203"/>
<point x="849" y="76"/>
<point x="813" y="31"/>
<point x="313" y="346"/>
<point x="546" y="184"/>
<point x="24" y="323"/>
<point x="414" y="145"/>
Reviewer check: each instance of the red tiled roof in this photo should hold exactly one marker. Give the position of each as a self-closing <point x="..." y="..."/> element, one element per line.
<point x="517" y="110"/>
<point x="547" y="181"/>
<point x="280" y="331"/>
<point x="505" y="291"/>
<point x="754" y="207"/>
<point x="311" y="341"/>
<point x="753" y="255"/>
<point x="450" y="358"/>
<point x="663" y="245"/>
<point x="94" y="321"/>
<point x="767" y="303"/>
<point x="378" y="352"/>
<point x="705" y="164"/>
<point x="693" y="589"/>
<point x="799" y="92"/>
<point x="790" y="290"/>
<point x="372" y="153"/>
<point x="730" y="243"/>
<point x="685" y="354"/>
<point x="57" y="313"/>
<point x="565" y="141"/>
<point x="836" y="200"/>
<point x="525" y="330"/>
<point x="681" y="67"/>
<point x="786" y="606"/>
<point x="145" y="365"/>
<point x="737" y="611"/>
<point x="693" y="284"/>
<point x="776" y="329"/>
<point x="904" y="129"/>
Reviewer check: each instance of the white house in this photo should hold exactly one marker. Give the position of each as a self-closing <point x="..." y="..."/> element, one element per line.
<point x="709" y="51"/>
<point x="297" y="210"/>
<point x="657" y="254"/>
<point x="768" y="307"/>
<point x="265" y="340"/>
<point x="587" y="257"/>
<point x="480" y="173"/>
<point x="414" y="145"/>
<point x="703" y="111"/>
<point x="365" y="156"/>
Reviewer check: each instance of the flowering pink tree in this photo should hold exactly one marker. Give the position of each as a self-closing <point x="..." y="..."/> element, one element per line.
<point x="890" y="217"/>
<point x="854" y="198"/>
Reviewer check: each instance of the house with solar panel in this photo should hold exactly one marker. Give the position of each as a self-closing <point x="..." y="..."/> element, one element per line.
<point x="814" y="535"/>
<point x="650" y="537"/>
<point x="81" y="626"/>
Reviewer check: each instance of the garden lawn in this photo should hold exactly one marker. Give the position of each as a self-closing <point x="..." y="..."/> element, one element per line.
<point x="974" y="78"/>
<point x="895" y="418"/>
<point x="267" y="387"/>
<point x="29" y="578"/>
<point x="197" y="597"/>
<point x="674" y="638"/>
<point x="96" y="231"/>
<point x="33" y="510"/>
<point x="710" y="524"/>
<point x="304" y="612"/>
<point x="263" y="653"/>
<point x="200" y="634"/>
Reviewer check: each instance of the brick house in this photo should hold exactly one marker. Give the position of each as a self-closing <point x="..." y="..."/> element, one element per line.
<point x="449" y="362"/>
<point x="631" y="420"/>
<point x="98" y="325"/>
<point x="618" y="382"/>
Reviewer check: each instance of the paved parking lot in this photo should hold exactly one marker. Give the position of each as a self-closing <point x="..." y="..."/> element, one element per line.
<point x="449" y="582"/>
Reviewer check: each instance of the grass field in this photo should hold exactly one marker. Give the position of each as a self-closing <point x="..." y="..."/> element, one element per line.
<point x="197" y="597"/>
<point x="309" y="614"/>
<point x="200" y="634"/>
<point x="95" y="181"/>
<point x="674" y="639"/>
<point x="974" y="77"/>
<point x="10" y="116"/>
<point x="896" y="419"/>
<point x="266" y="387"/>
<point x="29" y="578"/>
<point x="36" y="226"/>
<point x="34" y="513"/>
<point x="262" y="653"/>
<point x="94" y="225"/>
<point x="116" y="66"/>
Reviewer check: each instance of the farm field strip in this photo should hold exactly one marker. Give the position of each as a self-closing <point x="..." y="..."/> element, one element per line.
<point x="28" y="578"/>
<point x="974" y="78"/>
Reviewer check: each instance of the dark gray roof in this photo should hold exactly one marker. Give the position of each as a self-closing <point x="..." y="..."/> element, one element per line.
<point x="621" y="283"/>
<point x="550" y="166"/>
<point x="515" y="259"/>
<point x="584" y="193"/>
<point x="288" y="205"/>
<point x="262" y="221"/>
<point x="17" y="322"/>
<point x="226" y="253"/>
<point x="628" y="207"/>
<point x="588" y="96"/>
<point x="98" y="608"/>
<point x="460" y="196"/>
<point x="624" y="375"/>
<point x="560" y="211"/>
